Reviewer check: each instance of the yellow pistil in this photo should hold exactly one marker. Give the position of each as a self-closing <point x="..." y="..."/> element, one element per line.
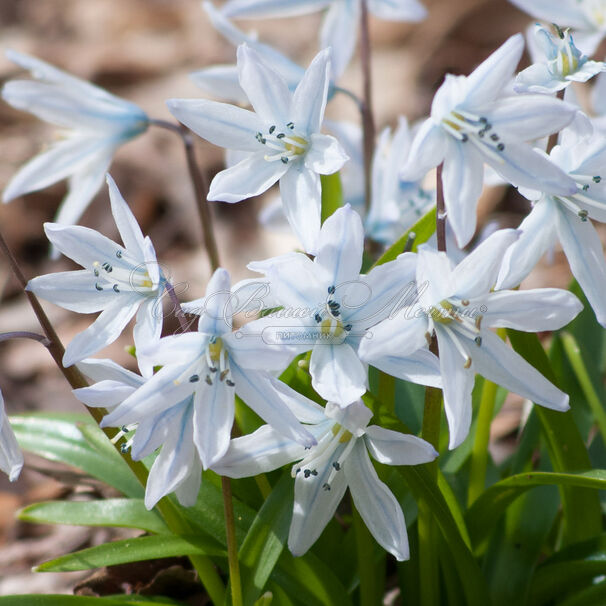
<point x="214" y="349"/>
<point x="296" y="149"/>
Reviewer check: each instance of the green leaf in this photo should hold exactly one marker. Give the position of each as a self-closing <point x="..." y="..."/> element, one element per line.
<point x="567" y="451"/>
<point x="76" y="600"/>
<point x="133" y="550"/>
<point x="125" y="513"/>
<point x="423" y="229"/>
<point x="332" y="194"/>
<point x="487" y="509"/>
<point x="265" y="540"/>
<point x="61" y="440"/>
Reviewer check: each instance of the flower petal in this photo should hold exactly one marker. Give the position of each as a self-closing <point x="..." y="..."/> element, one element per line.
<point x="105" y="369"/>
<point x="427" y="150"/>
<point x="378" y="507"/>
<point x="325" y="155"/>
<point x="398" y="10"/>
<point x="105" y="394"/>
<point x="11" y="458"/>
<point x="399" y="336"/>
<point x="220" y="81"/>
<point x="395" y="448"/>
<point x="216" y="316"/>
<point x="127" y="225"/>
<point x="420" y="367"/>
<point x="339" y="32"/>
<point x="271" y="8"/>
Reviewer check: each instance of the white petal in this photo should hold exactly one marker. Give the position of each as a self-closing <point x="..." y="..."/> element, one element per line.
<point x="463" y="181"/>
<point x="213" y="420"/>
<point x="378" y="507"/>
<point x="11" y="458"/>
<point x="127" y="225"/>
<point x="263" y="393"/>
<point x="325" y="155"/>
<point x="457" y="386"/>
<point x="104" y="394"/>
<point x="220" y="81"/>
<point x="267" y="91"/>
<point x="503" y="366"/>
<point x="478" y="272"/>
<point x="420" y="367"/>
<point x="302" y="202"/>
<point x="341" y="246"/>
<point x="271" y="8"/>
<point x="395" y="448"/>
<point x="399" y="336"/>
<point x="565" y="13"/>
<point x="105" y="369"/>
<point x="538" y="79"/>
<point x="339" y="32"/>
<point x="147" y="331"/>
<point x="427" y="150"/>
<point x="398" y="10"/>
<point x="583" y="248"/>
<point x="187" y="491"/>
<point x="250" y="177"/>
<point x="262" y="451"/>
<point x="309" y="99"/>
<point x="538" y="234"/>
<point x="337" y="373"/>
<point x="532" y="310"/>
<point x="216" y="316"/>
<point x="220" y="123"/>
<point x="103" y="331"/>
<point x="435" y="279"/>
<point x="493" y="74"/>
<point x="314" y="505"/>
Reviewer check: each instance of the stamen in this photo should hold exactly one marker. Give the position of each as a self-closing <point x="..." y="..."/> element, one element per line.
<point x="97" y="286"/>
<point x="208" y="380"/>
<point x="272" y="129"/>
<point x="115" y="288"/>
<point x="194" y="379"/>
<point x="119" y="254"/>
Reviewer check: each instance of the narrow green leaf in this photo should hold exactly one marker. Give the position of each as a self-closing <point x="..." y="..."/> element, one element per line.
<point x="332" y="194"/>
<point x="125" y="513"/>
<point x="265" y="540"/>
<point x="423" y="229"/>
<point x="133" y="550"/>
<point x="494" y="501"/>
<point x="76" y="600"/>
<point x="61" y="440"/>
<point x="567" y="451"/>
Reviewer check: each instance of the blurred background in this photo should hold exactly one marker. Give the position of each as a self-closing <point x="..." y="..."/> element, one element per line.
<point x="143" y="50"/>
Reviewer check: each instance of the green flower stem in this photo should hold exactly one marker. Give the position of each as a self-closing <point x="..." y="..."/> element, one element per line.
<point x="232" y="544"/>
<point x="366" y="568"/>
<point x="203" y="565"/>
<point x="575" y="358"/>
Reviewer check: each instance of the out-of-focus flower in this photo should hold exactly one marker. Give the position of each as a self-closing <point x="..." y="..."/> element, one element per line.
<point x="119" y="281"/>
<point x="282" y="138"/>
<point x="97" y="124"/>
<point x="11" y="458"/>
<point x="323" y="474"/>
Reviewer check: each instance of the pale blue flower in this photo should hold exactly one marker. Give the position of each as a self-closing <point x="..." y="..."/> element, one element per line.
<point x="339" y="461"/>
<point x="97" y="124"/>
<point x="11" y="458"/>
<point x="338" y="306"/>
<point x="560" y="64"/>
<point x="457" y="305"/>
<point x="473" y="122"/>
<point x="119" y="281"/>
<point x="282" y="139"/>
<point x="341" y="23"/>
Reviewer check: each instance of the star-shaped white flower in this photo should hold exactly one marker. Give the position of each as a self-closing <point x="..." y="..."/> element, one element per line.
<point x="209" y="367"/>
<point x="282" y="138"/>
<point x="586" y="17"/>
<point x="323" y="473"/>
<point x="473" y="123"/>
<point x="177" y="468"/>
<point x="341" y="23"/>
<point x="11" y="458"/>
<point x="559" y="63"/>
<point x="119" y="281"/>
<point x="97" y="122"/>
<point x="456" y="303"/>
<point x="337" y="305"/>
<point x="565" y="218"/>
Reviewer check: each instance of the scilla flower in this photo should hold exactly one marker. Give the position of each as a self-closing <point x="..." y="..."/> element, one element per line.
<point x="473" y="123"/>
<point x="282" y="139"/>
<point x="323" y="473"/>
<point x="97" y="124"/>
<point x="119" y="281"/>
<point x="458" y="306"/>
<point x="560" y="64"/>
<point x="11" y="459"/>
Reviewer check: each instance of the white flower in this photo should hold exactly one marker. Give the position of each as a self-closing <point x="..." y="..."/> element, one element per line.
<point x="207" y="368"/>
<point x="341" y="23"/>
<point x="97" y="122"/>
<point x="565" y="218"/>
<point x="396" y="204"/>
<point x="323" y="474"/>
<point x="560" y="64"/>
<point x="282" y="137"/>
<point x="456" y="303"/>
<point x="177" y="468"/>
<point x="11" y="458"/>
<point x="119" y="281"/>
<point x="472" y="123"/>
<point x="333" y="305"/>
<point x="586" y="17"/>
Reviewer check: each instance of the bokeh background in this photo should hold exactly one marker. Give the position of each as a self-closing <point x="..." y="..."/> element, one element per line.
<point x="143" y="50"/>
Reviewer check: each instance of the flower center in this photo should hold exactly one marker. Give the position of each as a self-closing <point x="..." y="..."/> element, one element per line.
<point x="577" y="202"/>
<point x="329" y="319"/>
<point x="120" y="278"/>
<point x="285" y="145"/>
<point x="467" y="127"/>
<point x="214" y="362"/>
